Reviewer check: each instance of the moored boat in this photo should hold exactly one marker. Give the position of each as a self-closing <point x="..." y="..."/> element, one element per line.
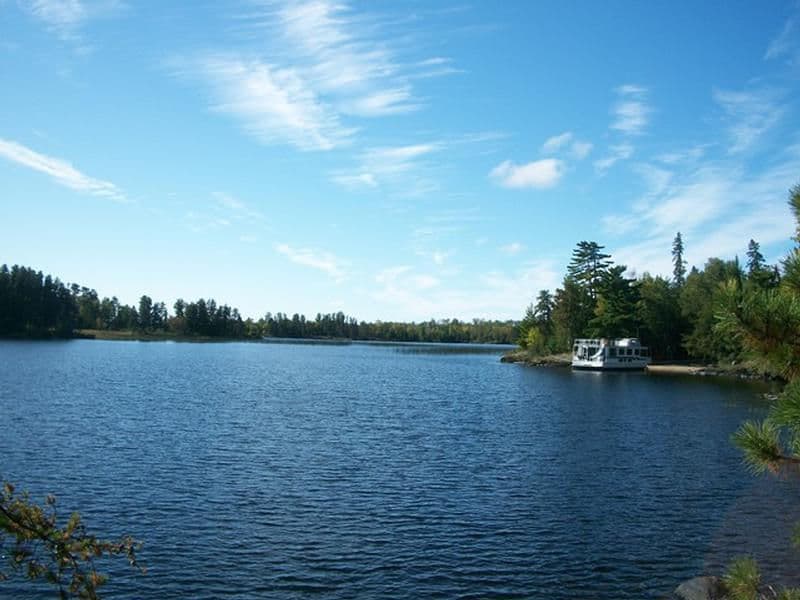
<point x="609" y="354"/>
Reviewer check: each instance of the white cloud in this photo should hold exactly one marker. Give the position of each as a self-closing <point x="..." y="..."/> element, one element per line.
<point x="391" y="274"/>
<point x="581" y="150"/>
<point x="691" y="154"/>
<point x="617" y="153"/>
<point x="62" y="15"/>
<point x="656" y="179"/>
<point x="555" y="143"/>
<point x="202" y="223"/>
<point x="355" y="181"/>
<point x="274" y="105"/>
<point x="717" y="208"/>
<point x="60" y="170"/>
<point x="236" y="208"/>
<point x="66" y="17"/>
<point x="750" y="114"/>
<point x="576" y="148"/>
<point x="383" y="102"/>
<point x="322" y="261"/>
<point x="314" y="64"/>
<point x="385" y="164"/>
<point x="496" y="294"/>
<point x="438" y="257"/>
<point x="512" y="249"/>
<point x="424" y="282"/>
<point x="539" y="174"/>
<point x="786" y="43"/>
<point x="631" y="112"/>
<point x="348" y="57"/>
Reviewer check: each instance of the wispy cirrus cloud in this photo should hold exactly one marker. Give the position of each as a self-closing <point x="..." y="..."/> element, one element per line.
<point x="750" y="114"/>
<point x="60" y="170"/>
<point x="386" y="164"/>
<point x="512" y="249"/>
<point x="275" y="105"/>
<point x="616" y="154"/>
<point x="413" y="295"/>
<point x="320" y="260"/>
<point x="313" y="67"/>
<point x="538" y="174"/>
<point x="717" y="207"/>
<point x="567" y="142"/>
<point x="66" y="17"/>
<point x="557" y="142"/>
<point x="236" y="208"/>
<point x="786" y="44"/>
<point x="631" y="111"/>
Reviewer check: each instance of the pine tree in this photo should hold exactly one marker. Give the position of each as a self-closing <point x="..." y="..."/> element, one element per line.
<point x="588" y="265"/>
<point x="679" y="269"/>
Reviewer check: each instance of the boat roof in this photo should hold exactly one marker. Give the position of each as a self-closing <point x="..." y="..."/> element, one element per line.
<point x="622" y="342"/>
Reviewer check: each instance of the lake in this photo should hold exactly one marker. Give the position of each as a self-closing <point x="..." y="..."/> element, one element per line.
<point x="379" y="470"/>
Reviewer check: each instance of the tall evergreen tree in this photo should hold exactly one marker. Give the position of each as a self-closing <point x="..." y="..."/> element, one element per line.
<point x="615" y="312"/>
<point x="588" y="265"/>
<point x="573" y="307"/>
<point x="755" y="260"/>
<point x="679" y="265"/>
<point x="543" y="310"/>
<point x="145" y="312"/>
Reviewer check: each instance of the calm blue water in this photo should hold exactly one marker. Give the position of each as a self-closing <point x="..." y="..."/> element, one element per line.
<point x="289" y="471"/>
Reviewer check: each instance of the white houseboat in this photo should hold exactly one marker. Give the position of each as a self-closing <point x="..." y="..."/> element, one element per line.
<point x="607" y="354"/>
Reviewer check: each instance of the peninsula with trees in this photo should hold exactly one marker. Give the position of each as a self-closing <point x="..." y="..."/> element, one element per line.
<point x="676" y="317"/>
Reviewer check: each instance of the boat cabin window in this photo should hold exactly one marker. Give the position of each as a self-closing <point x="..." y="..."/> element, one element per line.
<point x="612" y="352"/>
<point x="636" y="352"/>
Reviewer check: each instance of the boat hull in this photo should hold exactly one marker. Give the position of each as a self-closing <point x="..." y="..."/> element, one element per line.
<point x="625" y="367"/>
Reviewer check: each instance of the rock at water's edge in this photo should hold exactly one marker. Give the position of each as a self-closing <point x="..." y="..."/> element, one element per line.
<point x="701" y="588"/>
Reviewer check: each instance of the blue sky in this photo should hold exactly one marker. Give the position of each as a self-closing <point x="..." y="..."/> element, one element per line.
<point x="393" y="160"/>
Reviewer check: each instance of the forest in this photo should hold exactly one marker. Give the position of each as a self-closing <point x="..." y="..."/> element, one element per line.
<point x="676" y="317"/>
<point x="34" y="305"/>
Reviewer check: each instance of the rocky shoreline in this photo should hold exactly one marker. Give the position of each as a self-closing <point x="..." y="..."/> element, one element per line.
<point x="709" y="587"/>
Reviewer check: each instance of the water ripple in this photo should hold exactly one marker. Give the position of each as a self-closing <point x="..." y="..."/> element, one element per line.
<point x="287" y="471"/>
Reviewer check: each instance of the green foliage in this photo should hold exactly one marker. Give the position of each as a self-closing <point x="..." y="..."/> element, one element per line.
<point x="786" y="411"/>
<point x="766" y="323"/>
<point x="679" y="265"/>
<point x="573" y="309"/>
<point x="35" y="546"/>
<point x="528" y="322"/>
<point x="615" y="310"/>
<point x="766" y="320"/>
<point x="34" y="305"/>
<point x="659" y="317"/>
<point x="588" y="265"/>
<point x="700" y="299"/>
<point x="760" y="443"/>
<point x="789" y="594"/>
<point x="742" y="579"/>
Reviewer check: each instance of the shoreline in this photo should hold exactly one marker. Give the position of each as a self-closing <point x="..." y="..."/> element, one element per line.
<point x="737" y="371"/>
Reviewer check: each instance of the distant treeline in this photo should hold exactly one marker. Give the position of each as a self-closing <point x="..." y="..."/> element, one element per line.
<point x="676" y="317"/>
<point x="36" y="305"/>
